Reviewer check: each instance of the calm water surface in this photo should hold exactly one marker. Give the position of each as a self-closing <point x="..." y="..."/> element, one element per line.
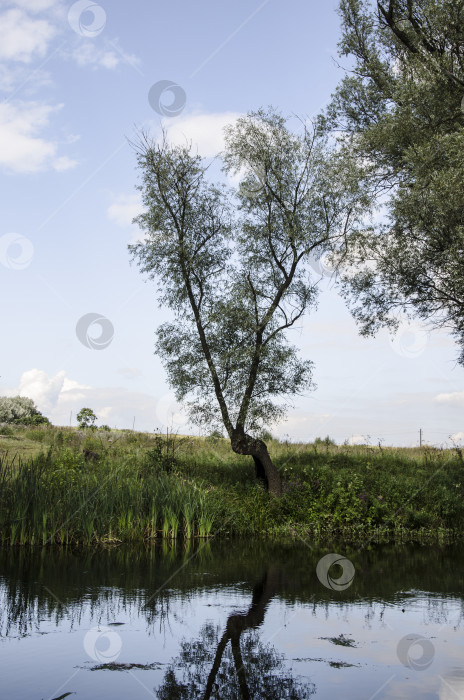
<point x="232" y="620"/>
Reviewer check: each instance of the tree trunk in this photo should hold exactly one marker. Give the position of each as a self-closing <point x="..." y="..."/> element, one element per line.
<point x="265" y="468"/>
<point x="260" y="472"/>
<point x="263" y="592"/>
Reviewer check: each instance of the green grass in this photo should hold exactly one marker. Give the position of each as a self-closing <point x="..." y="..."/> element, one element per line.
<point x="91" y="487"/>
<point x="19" y="442"/>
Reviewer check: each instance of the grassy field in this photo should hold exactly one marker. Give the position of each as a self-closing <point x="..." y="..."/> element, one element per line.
<point x="60" y="485"/>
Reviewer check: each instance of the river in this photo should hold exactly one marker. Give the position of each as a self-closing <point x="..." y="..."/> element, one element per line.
<point x="233" y="619"/>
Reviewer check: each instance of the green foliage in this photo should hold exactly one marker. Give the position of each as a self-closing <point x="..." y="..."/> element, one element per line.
<point x="36" y="435"/>
<point x="36" y="419"/>
<point x="60" y="497"/>
<point x="86" y="418"/>
<point x="176" y="487"/>
<point x="400" y="114"/>
<point x="235" y="266"/>
<point x="266" y="436"/>
<point x="59" y="439"/>
<point x="327" y="441"/>
<point x="159" y="457"/>
<point x="20" y="410"/>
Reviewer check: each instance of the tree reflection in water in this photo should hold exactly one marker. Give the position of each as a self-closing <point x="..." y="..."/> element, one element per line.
<point x="245" y="669"/>
<point x="51" y="589"/>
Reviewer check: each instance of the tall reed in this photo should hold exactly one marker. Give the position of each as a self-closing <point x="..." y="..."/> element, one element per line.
<point x="124" y="486"/>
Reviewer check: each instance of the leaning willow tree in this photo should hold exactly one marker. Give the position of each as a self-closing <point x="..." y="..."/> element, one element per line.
<point x="233" y="265"/>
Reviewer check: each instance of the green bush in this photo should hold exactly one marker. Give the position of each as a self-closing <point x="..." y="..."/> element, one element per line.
<point x="37" y="435"/>
<point x="159" y="457"/>
<point x="90" y="487"/>
<point x="32" y="420"/>
<point x="20" y="410"/>
<point x="326" y="442"/>
<point x="266" y="436"/>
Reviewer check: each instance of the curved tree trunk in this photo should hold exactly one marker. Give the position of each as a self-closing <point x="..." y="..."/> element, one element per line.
<point x="260" y="472"/>
<point x="263" y="592"/>
<point x="266" y="470"/>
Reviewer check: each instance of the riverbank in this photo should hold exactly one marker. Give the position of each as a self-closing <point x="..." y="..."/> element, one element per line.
<point x="63" y="486"/>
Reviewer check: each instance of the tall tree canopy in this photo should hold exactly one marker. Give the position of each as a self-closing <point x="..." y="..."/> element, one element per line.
<point x="233" y="266"/>
<point x="400" y="113"/>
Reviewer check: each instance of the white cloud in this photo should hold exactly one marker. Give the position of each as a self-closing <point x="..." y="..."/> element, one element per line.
<point x="124" y="208"/>
<point x="39" y="387"/>
<point x="105" y="413"/>
<point x="57" y="396"/>
<point x="205" y="131"/>
<point x="47" y="392"/>
<point x="63" y="163"/>
<point x="453" y="398"/>
<point x="72" y="385"/>
<point x="113" y="405"/>
<point x="458" y="437"/>
<point x="36" y="5"/>
<point x="87" y="53"/>
<point x="109" y="60"/>
<point x="22" y="149"/>
<point x="24" y="38"/>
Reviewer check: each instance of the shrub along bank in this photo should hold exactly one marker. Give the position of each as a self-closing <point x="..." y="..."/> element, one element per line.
<point x="91" y="487"/>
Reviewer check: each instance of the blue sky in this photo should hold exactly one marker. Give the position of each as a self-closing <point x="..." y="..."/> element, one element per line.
<point x="75" y="80"/>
